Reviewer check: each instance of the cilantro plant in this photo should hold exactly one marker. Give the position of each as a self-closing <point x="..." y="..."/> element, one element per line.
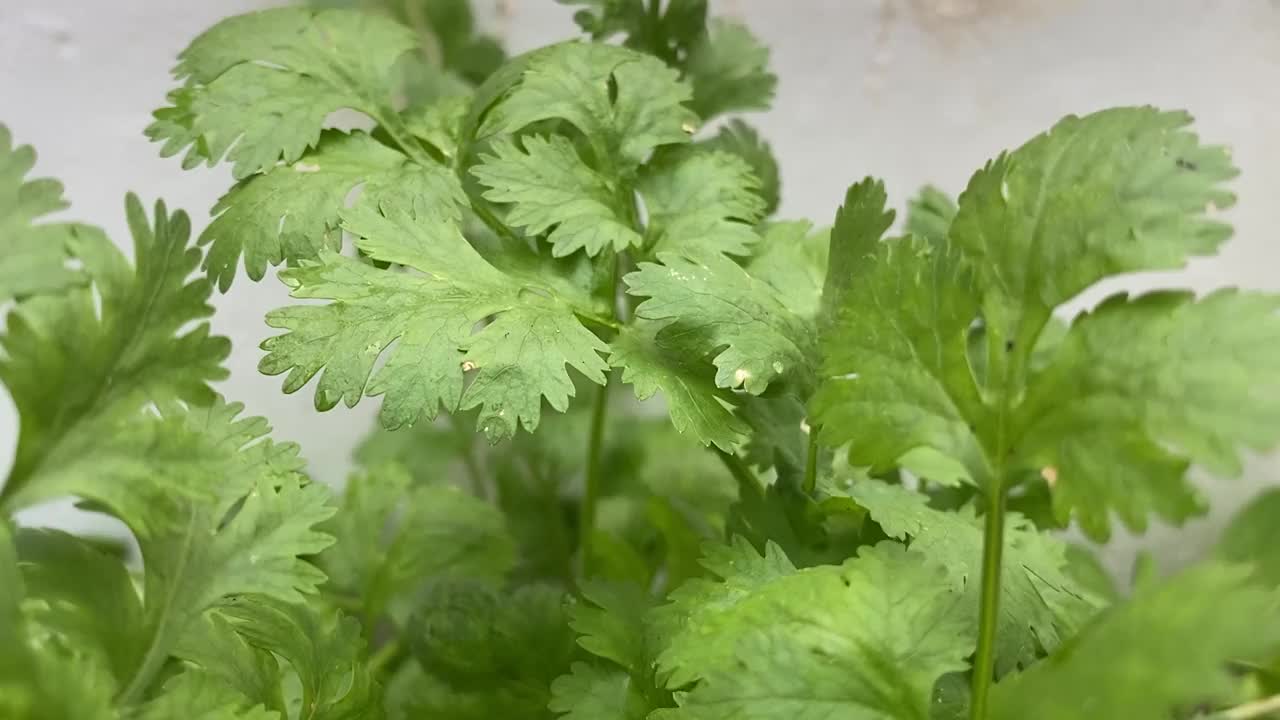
<point x="645" y="451"/>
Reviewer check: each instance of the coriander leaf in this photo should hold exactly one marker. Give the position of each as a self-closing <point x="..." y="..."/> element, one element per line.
<point x="739" y="138"/>
<point x="652" y="363"/>
<point x="929" y="214"/>
<point x="448" y="32"/>
<point x="438" y="123"/>
<point x="34" y="254"/>
<point x="1040" y="604"/>
<point x="1250" y="537"/>
<point x="323" y="650"/>
<point x="1196" y="379"/>
<point x="198" y="696"/>
<point x="896" y="377"/>
<point x="610" y="624"/>
<point x="80" y="361"/>
<point x="290" y="212"/>
<point x="668" y="33"/>
<point x="860" y="223"/>
<point x="212" y="644"/>
<point x="553" y="190"/>
<point x="1165" y="649"/>
<point x="729" y="70"/>
<point x="697" y="609"/>
<point x="84" y="596"/>
<point x="623" y="102"/>
<point x="391" y="536"/>
<point x="792" y="257"/>
<point x="868" y="639"/>
<point x="259" y="86"/>
<point x="713" y="305"/>
<point x="593" y="692"/>
<point x="1115" y="191"/>
<point x="701" y="202"/>
<point x="519" y="358"/>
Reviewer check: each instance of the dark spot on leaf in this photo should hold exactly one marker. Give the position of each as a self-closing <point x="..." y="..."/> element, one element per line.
<point x="1186" y="164"/>
<point x="1008" y="346"/>
<point x="613" y="89"/>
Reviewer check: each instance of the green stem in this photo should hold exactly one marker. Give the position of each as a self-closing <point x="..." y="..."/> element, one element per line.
<point x="989" y="614"/>
<point x="598" y="319"/>
<point x="811" y="463"/>
<point x="387" y="656"/>
<point x="747" y="480"/>
<point x="591" y="489"/>
<point x="1256" y="709"/>
<point x="478" y="486"/>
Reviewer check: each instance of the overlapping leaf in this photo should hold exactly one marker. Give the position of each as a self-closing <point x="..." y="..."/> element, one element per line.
<point x="259" y="86"/>
<point x="291" y="212"/>
<point x="518" y="358"/>
<point x="741" y="139"/>
<point x="729" y="70"/>
<point x="35" y="250"/>
<point x="81" y="363"/>
<point x="701" y="202"/>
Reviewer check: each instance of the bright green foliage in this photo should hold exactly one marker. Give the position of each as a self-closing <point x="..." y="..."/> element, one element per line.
<point x="833" y="495"/>
<point x="1165" y="648"/>
<point x="1251" y="538"/>
<point x="291" y="212"/>
<point x="390" y="535"/>
<point x="80" y="362"/>
<point x="742" y="140"/>
<point x="624" y="103"/>
<point x="258" y="87"/>
<point x="1114" y="430"/>
<point x="1040" y="605"/>
<point x="716" y="304"/>
<point x="728" y="69"/>
<point x="864" y="640"/>
<point x="35" y="251"/>
<point x="518" y="359"/>
<point x="701" y="202"/>
<point x="551" y="187"/>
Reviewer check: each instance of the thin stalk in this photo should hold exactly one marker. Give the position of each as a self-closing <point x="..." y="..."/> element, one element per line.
<point x="747" y="480"/>
<point x="591" y="490"/>
<point x="474" y="475"/>
<point x="992" y="551"/>
<point x="811" y="463"/>
<point x="386" y="656"/>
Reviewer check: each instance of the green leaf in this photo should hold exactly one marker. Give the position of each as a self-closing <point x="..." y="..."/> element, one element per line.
<point x="860" y="223"/>
<point x="322" y="649"/>
<point x="864" y="640"/>
<point x="701" y="609"/>
<point x="438" y="123"/>
<point x="729" y="70"/>
<point x="669" y="32"/>
<point x="84" y="596"/>
<point x="739" y="138"/>
<point x="259" y="86"/>
<point x="79" y="362"/>
<point x="519" y="357"/>
<point x="392" y="536"/>
<point x="653" y="363"/>
<point x="1196" y="381"/>
<point x="929" y="214"/>
<point x="291" y="212"/>
<point x="713" y="305"/>
<point x="198" y="696"/>
<point x="896" y="375"/>
<point x="792" y="257"/>
<point x="1115" y="191"/>
<point x="33" y="250"/>
<point x="553" y="190"/>
<point x="1040" y="603"/>
<point x="1251" y="537"/>
<point x="624" y="103"/>
<point x="592" y="692"/>
<point x="212" y="644"/>
<point x="701" y="202"/>
<point x="1164" y="650"/>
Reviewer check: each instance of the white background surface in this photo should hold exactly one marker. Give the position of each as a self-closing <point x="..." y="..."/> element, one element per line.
<point x="913" y="91"/>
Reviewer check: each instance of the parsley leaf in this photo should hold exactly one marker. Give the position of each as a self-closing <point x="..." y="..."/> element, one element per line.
<point x="519" y="358"/>
<point x="739" y="138"/>
<point x="259" y="86"/>
<point x="728" y="70"/>
<point x="701" y="202"/>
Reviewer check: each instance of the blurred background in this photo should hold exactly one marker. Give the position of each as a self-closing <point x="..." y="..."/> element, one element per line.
<point x="913" y="91"/>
